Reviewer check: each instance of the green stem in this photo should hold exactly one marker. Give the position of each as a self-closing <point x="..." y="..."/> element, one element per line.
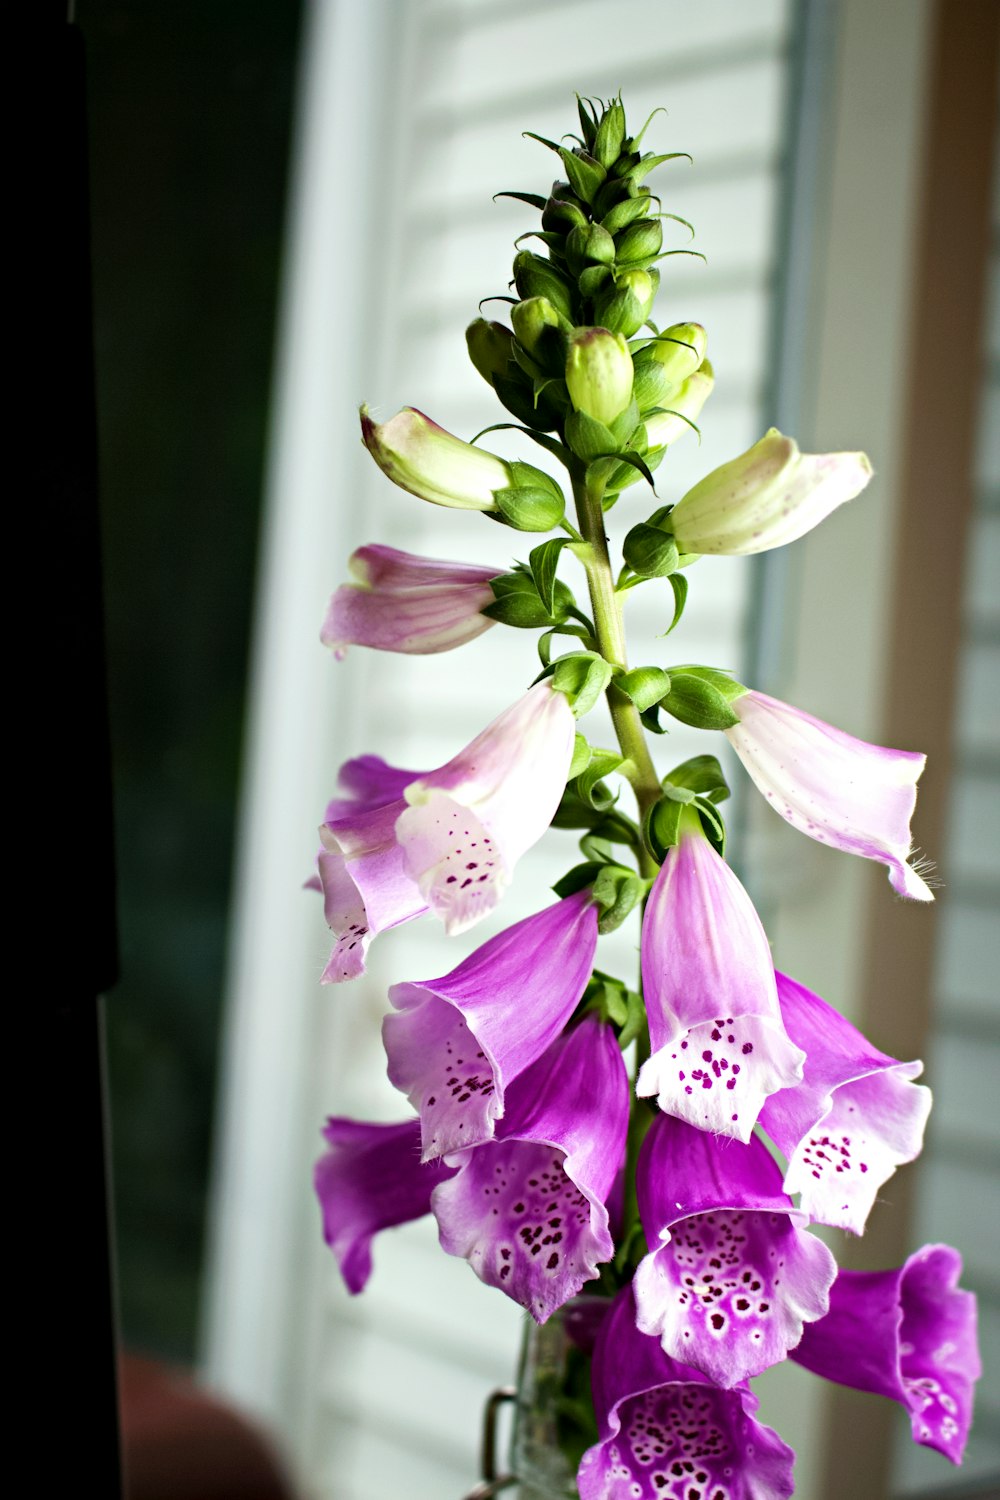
<point x="610" y="626"/>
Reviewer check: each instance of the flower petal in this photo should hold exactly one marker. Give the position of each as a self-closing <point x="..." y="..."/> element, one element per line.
<point x="527" y="1209"/>
<point x="719" y="1047"/>
<point x="909" y="1334"/>
<point x="469" y="822"/>
<point x="371" y="1178"/>
<point x="855" y="1117"/>
<point x="365" y="884"/>
<point x="730" y="1278"/>
<point x="769" y="496"/>
<point x="458" y="1041"/>
<point x="368" y="782"/>
<point x="401" y="602"/>
<point x="422" y="457"/>
<point x="833" y="787"/>
<point x="666" y="1433"/>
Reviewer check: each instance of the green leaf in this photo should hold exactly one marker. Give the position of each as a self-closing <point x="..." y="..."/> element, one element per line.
<point x="587" y="437"/>
<point x="661" y="829"/>
<point x="635" y="462"/>
<point x="635" y="1019"/>
<point x="542" y="141"/>
<point x="544" y="563"/>
<point x="582" y="676"/>
<point x="588" y="121"/>
<point x="651" y="719"/>
<point x="576" y="879"/>
<point x="618" y="892"/>
<point x="581" y="757"/>
<point x="713" y="825"/>
<point x="679" y="584"/>
<point x="589" y="781"/>
<point x="644" y="685"/>
<point x="701" y="775"/>
<point x="534" y="199"/>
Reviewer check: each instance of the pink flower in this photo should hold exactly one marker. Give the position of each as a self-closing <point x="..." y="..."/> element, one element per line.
<point x="718" y="1043"/>
<point x="415" y="605"/>
<point x="855" y="1117"/>
<point x="839" y="790"/>
<point x="468" y="823"/>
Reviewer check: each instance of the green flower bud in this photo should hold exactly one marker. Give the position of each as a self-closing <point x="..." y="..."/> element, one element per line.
<point x="624" y="305"/>
<point x="587" y="246"/>
<point x="769" y="496"/>
<point x="429" y="462"/>
<point x="649" y="551"/>
<point x="639" y="243"/>
<point x="599" y="374"/>
<point x="532" y="320"/>
<point x="489" y="346"/>
<point x="563" y="211"/>
<point x="680" y="351"/>
<point x="703" y="697"/>
<point x="536" y="277"/>
<point x="610" y="134"/>
<point x="532" y="501"/>
<point x="627" y="211"/>
<point x="685" y="405"/>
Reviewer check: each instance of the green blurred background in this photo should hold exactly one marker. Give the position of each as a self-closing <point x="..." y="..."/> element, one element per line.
<point x="190" y="116"/>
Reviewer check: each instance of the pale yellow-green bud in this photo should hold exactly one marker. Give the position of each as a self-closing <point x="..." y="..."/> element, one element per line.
<point x="685" y="405"/>
<point x="422" y="457"/>
<point x="679" y="351"/>
<point x="599" y="373"/>
<point x="770" y="495"/>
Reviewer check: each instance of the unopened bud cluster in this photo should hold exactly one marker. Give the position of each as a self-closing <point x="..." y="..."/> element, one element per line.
<point x="565" y="366"/>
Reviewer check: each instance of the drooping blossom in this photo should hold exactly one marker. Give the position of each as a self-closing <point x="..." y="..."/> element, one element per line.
<point x="854" y="1118"/>
<point x="831" y="786"/>
<point x="909" y="1334"/>
<point x="718" y="1043"/>
<point x="370" y="1178"/>
<point x="667" y="1433"/>
<point x="414" y="605"/>
<point x="732" y="1275"/>
<point x="433" y="464"/>
<point x="527" y="1209"/>
<point x="468" y="824"/>
<point x="458" y="1041"/>
<point x="769" y="496"/>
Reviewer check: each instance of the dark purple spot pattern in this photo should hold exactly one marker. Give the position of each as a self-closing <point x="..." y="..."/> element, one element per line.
<point x="524" y="1227"/>
<point x="733" y="1289"/>
<point x="675" y="1444"/>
